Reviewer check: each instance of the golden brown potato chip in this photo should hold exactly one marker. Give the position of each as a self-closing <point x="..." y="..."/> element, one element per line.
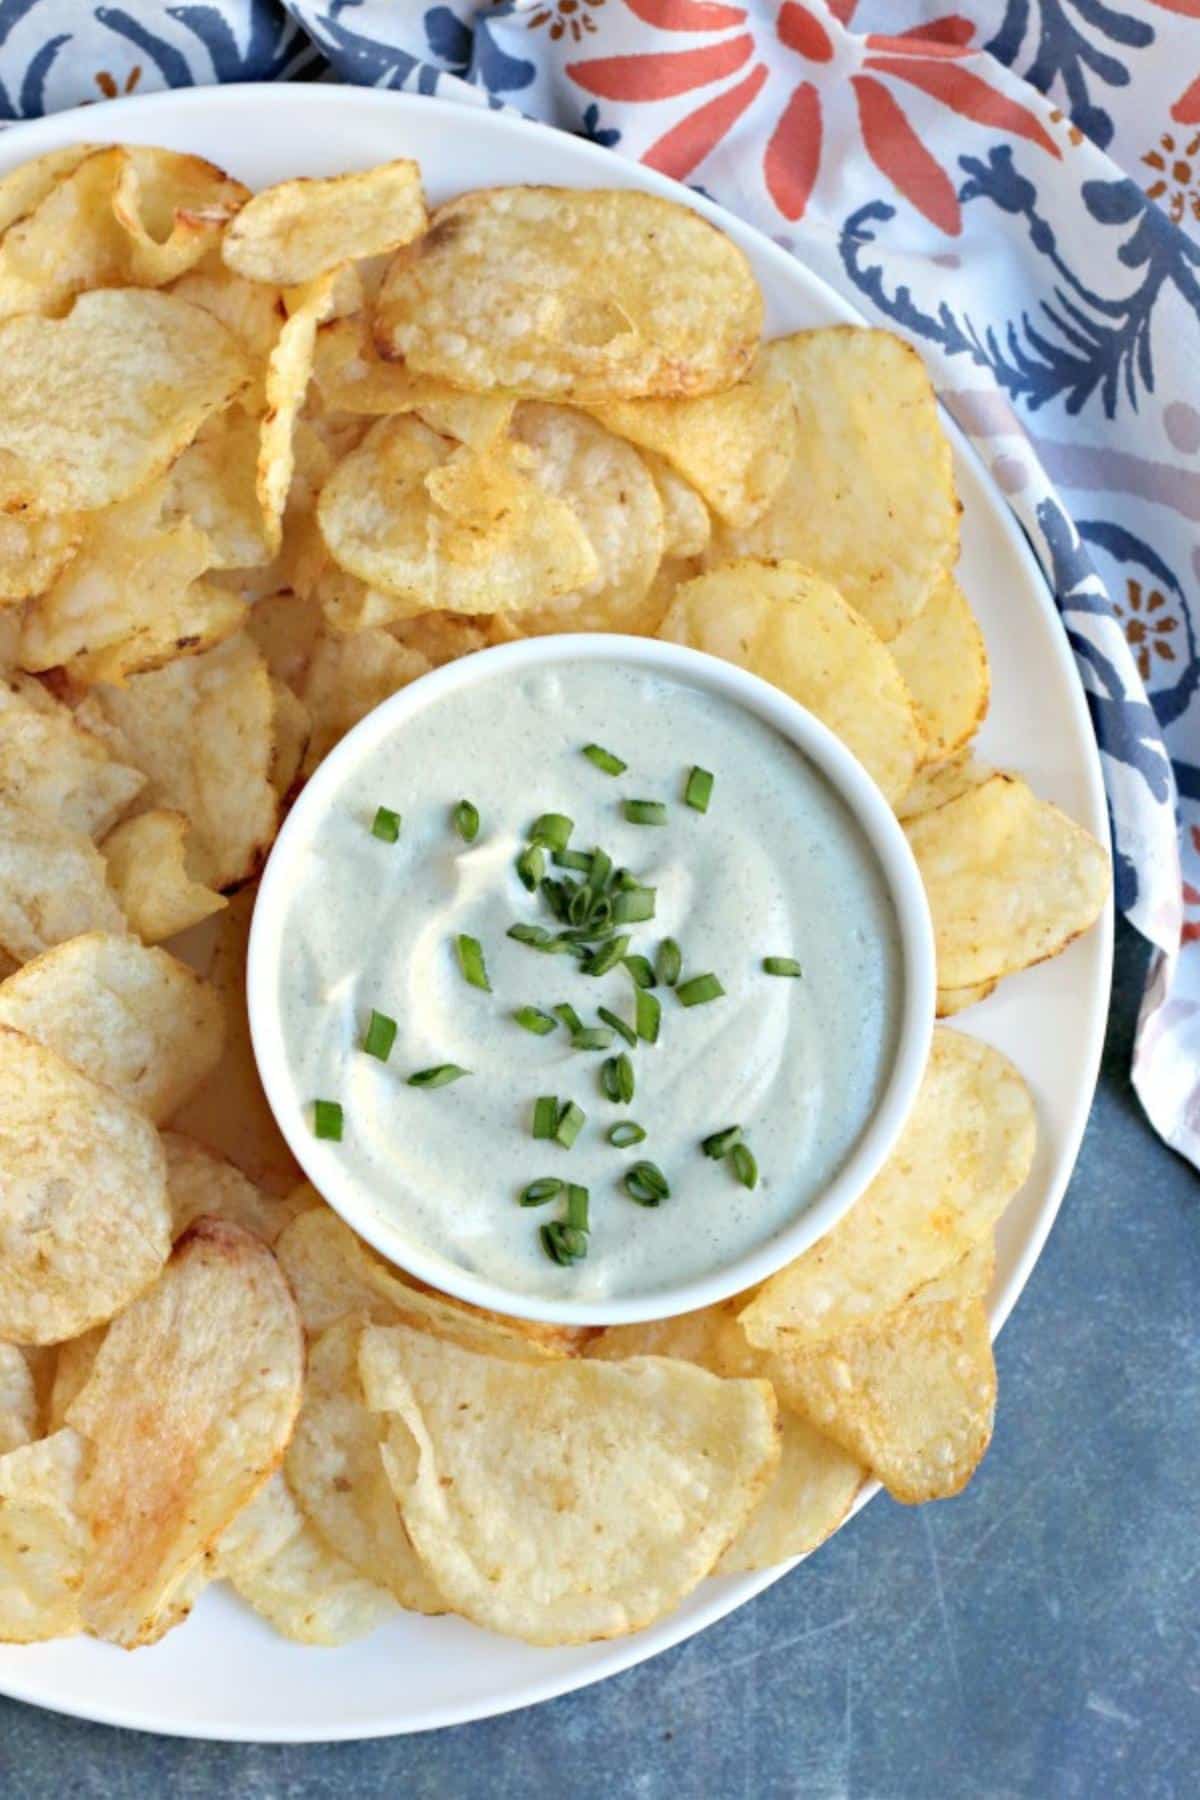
<point x="336" y="1473"/>
<point x="354" y="378"/>
<point x="1010" y="880"/>
<point x="94" y="406"/>
<point x="73" y="1363"/>
<point x="285" y="627"/>
<point x="347" y="678"/>
<point x="228" y="1113"/>
<point x="83" y="1208"/>
<point x="687" y="523"/>
<point x="869" y="500"/>
<point x="52" y="884"/>
<point x="943" y="658"/>
<point x="34" y="552"/>
<point x="146" y="858"/>
<point x="789" y="626"/>
<point x="956" y="1000"/>
<point x="202" y="731"/>
<point x="56" y="769"/>
<point x="572" y="295"/>
<point x="202" y="1184"/>
<point x="213" y="485"/>
<point x="134" y="1019"/>
<point x="938" y="783"/>
<point x="70" y="240"/>
<point x="966" y="1149"/>
<point x="18" y="1400"/>
<point x="26" y="186"/>
<point x="251" y="310"/>
<point x="442" y="637"/>
<point x="43" y="1540"/>
<point x="292" y="730"/>
<point x="349" y="606"/>
<point x="173" y="209"/>
<point x="296" y="230"/>
<point x="735" y="447"/>
<point x="571" y="1501"/>
<point x="186" y="1415"/>
<point x="615" y="500"/>
<point x="288" y="370"/>
<point x="284" y="1569"/>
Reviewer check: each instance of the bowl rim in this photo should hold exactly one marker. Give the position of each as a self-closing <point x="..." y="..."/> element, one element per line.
<point x="866" y="804"/>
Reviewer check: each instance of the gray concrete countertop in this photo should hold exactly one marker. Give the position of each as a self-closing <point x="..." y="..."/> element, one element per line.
<point x="1039" y="1636"/>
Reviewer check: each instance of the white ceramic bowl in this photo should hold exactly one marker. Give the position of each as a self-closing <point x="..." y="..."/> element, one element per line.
<point x="865" y="803"/>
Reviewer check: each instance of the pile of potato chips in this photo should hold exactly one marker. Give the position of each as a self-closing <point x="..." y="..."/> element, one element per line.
<point x="262" y="462"/>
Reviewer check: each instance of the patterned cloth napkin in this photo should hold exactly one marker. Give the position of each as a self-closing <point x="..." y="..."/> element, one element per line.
<point x="1015" y="187"/>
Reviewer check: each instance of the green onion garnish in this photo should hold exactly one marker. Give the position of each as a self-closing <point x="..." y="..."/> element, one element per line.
<point x="545" y="1115"/>
<point x="698" y="990"/>
<point x="569" y="1124"/>
<point x="579" y="860"/>
<point x="649" y="1016"/>
<point x="441" y="1075"/>
<point x="625" y="1134"/>
<point x="782" y="965"/>
<point x="601" y="869"/>
<point x="640" y="972"/>
<point x="380" y="1035"/>
<point x="577" y="1207"/>
<point x="538" y="1192"/>
<point x="552" y="829"/>
<point x="616" y="1078"/>
<point x="466" y="821"/>
<point x="557" y="895"/>
<point x="592" y="1037"/>
<point x="668" y="964"/>
<point x="328" y="1120"/>
<point x="386" y="824"/>
<point x="619" y="1026"/>
<point x="563" y="1244"/>
<point x="569" y="1017"/>
<point x="470" y="961"/>
<point x="532" y="1018"/>
<point x="744" y="1165"/>
<point x="633" y="905"/>
<point x="531" y="866"/>
<point x="601" y="917"/>
<point x="604" y="759"/>
<point x="698" y="791"/>
<point x="626" y="880"/>
<point x="579" y="906"/>
<point x="644" y="812"/>
<point x="720" y="1143"/>
<point x="607" y="956"/>
<point x="646" y="1183"/>
<point x="536" y="936"/>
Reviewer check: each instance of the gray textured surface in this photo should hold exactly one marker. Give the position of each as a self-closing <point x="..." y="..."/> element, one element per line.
<point x="1039" y="1636"/>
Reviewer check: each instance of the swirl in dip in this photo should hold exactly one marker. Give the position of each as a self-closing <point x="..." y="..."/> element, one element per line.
<point x="775" y="868"/>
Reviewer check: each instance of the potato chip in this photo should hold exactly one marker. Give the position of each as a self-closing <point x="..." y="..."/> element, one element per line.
<point x="52" y="884"/>
<point x="202" y="1184"/>
<point x="288" y="370"/>
<point x="292" y="730"/>
<point x="56" y="769"/>
<point x="34" y="552"/>
<point x="940" y="782"/>
<point x="94" y="406"/>
<point x="296" y="230"/>
<point x="201" y="730"/>
<point x="173" y="209"/>
<point x="26" y="186"/>
<point x="964" y="1152"/>
<point x="349" y="606"/>
<point x="285" y="627"/>
<point x="83" y="1210"/>
<point x="147" y="863"/>
<point x="572" y="1501"/>
<point x="442" y="637"/>
<point x="869" y="500"/>
<point x="71" y="240"/>
<point x="43" y="1540"/>
<point x="789" y="626"/>
<point x="213" y="485"/>
<point x="335" y="1471"/>
<point x="187" y="1412"/>
<point x="18" y="1400"/>
<point x="614" y="498"/>
<point x="284" y="1569"/>
<point x="1010" y="880"/>
<point x="380" y="522"/>
<point x="347" y="678"/>
<point x="956" y="1000"/>
<point x="572" y="295"/>
<point x="229" y="1113"/>
<point x="252" y="311"/>
<point x="687" y="523"/>
<point x="735" y="447"/>
<point x="134" y="1019"/>
<point x="943" y="658"/>
<point x="354" y="378"/>
<point x="73" y="1363"/>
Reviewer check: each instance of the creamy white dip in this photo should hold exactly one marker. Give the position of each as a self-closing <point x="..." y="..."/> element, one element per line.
<point x="776" y="867"/>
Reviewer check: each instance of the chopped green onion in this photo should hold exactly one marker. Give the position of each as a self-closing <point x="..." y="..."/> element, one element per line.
<point x="536" y="936"/>
<point x="616" y="1078"/>
<point x="744" y="1165"/>
<point x="668" y="964"/>
<point x="579" y="907"/>
<point x="644" y="812"/>
<point x="698" y="990"/>
<point x="470" y="961"/>
<point x="579" y="860"/>
<point x="649" y="1016"/>
<point x="531" y="866"/>
<point x="698" y="791"/>
<point x="639" y="970"/>
<point x="380" y="1035"/>
<point x="607" y="956"/>
<point x="601" y="869"/>
<point x="626" y="880"/>
<point x="625" y="1134"/>
<point x="593" y="1037"/>
<point x="569" y="1124"/>
<point x="557" y="895"/>
<point x="604" y="759"/>
<point x="466" y="821"/>
<point x="601" y="917"/>
<point x="633" y="905"/>
<point x="532" y="1018"/>
<point x="441" y="1075"/>
<point x="538" y="1192"/>
<point x="328" y="1119"/>
<point x="577" y="1207"/>
<point x="646" y="1183"/>
<point x="782" y="965"/>
<point x="552" y="829"/>
<point x="618" y="1025"/>
<point x="545" y="1115"/>
<point x="720" y="1143"/>
<point x="386" y="824"/>
<point x="569" y="1017"/>
<point x="563" y="1244"/>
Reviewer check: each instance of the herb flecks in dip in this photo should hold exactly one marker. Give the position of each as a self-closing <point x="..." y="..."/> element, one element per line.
<point x="646" y="1099"/>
